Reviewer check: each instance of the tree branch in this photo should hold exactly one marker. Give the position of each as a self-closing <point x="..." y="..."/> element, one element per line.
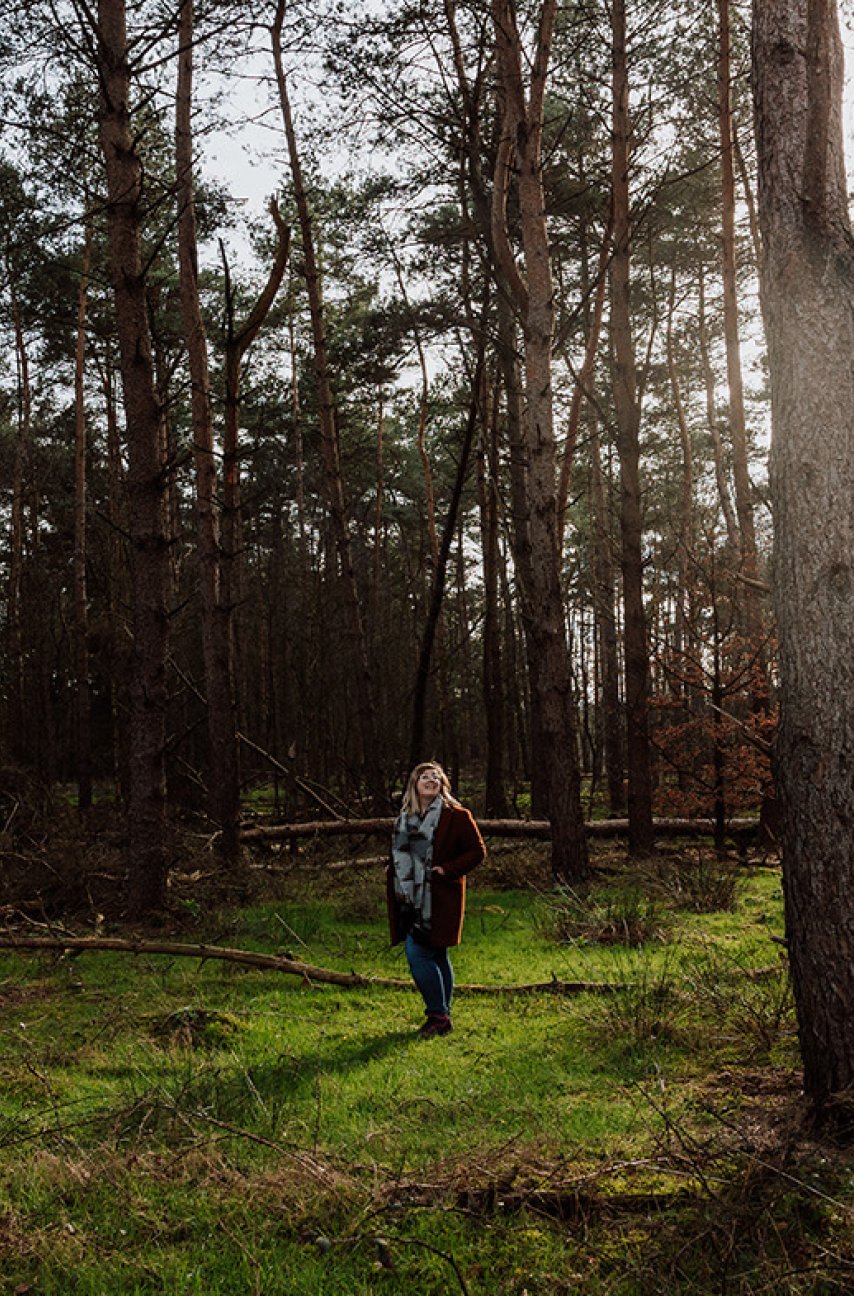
<point x="274" y="963"/>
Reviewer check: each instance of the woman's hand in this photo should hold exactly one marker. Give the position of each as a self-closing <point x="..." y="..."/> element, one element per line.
<point x="438" y="871"/>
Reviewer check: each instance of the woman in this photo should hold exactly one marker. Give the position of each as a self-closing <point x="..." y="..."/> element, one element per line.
<point x="434" y="844"/>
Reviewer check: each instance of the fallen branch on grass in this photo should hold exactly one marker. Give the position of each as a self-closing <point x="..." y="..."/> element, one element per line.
<point x="276" y="963"/>
<point x="544" y="1188"/>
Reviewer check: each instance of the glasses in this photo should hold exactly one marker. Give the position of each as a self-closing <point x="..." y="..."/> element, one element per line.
<point x="429" y="776"/>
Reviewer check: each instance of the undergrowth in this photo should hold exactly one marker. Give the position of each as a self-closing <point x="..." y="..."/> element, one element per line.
<point x="171" y="1125"/>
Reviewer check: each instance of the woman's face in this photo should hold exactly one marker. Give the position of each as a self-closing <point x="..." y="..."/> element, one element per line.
<point x="428" y="784"/>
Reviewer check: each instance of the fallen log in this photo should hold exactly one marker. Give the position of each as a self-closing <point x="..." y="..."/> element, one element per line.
<point x="318" y="828"/>
<point x="277" y="963"/>
<point x="539" y="829"/>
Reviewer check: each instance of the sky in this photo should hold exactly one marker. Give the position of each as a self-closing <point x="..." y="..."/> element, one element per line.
<point x="245" y="160"/>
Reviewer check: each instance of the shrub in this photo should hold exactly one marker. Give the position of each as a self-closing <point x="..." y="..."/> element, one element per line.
<point x="624" y="917"/>
<point x="704" y="883"/>
<point x="650" y="1008"/>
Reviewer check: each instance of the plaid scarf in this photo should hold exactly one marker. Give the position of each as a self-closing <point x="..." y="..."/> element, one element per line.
<point x="412" y="853"/>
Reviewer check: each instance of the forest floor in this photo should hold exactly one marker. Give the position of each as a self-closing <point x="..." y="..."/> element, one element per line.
<point x="183" y="1126"/>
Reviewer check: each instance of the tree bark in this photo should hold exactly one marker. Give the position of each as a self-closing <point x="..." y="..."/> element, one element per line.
<point x="521" y="551"/>
<point x="685" y="541"/>
<point x="636" y="649"/>
<point x="712" y="419"/>
<point x="809" y="282"/>
<point x="520" y="152"/>
<point x="737" y="417"/>
<point x="17" y="538"/>
<point x="355" y="629"/>
<point x="437" y="592"/>
<point x="149" y="557"/>
<point x="83" y="706"/>
<point x="437" y="630"/>
<point x="223" y="775"/>
<point x="495" y="802"/>
<point x="582" y="379"/>
<point x="238" y="339"/>
<point x="117" y="641"/>
<point x="606" y="628"/>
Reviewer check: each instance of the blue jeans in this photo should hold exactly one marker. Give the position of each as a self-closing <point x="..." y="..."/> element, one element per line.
<point x="433" y="975"/>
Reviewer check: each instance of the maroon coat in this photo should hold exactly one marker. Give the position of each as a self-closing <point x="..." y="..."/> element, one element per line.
<point x="457" y="848"/>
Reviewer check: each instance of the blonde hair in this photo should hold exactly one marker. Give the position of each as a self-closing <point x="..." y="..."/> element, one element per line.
<point x="411" y="804"/>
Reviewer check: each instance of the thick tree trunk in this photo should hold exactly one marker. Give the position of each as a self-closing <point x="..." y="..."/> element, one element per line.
<point x="223" y="776"/>
<point x="809" y="288"/>
<point x="636" y="649"/>
<point x="145" y="480"/>
<point x="520" y="151"/>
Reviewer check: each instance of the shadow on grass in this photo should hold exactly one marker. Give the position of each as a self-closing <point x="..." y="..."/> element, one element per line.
<point x="345" y="1057"/>
<point x="291" y="1078"/>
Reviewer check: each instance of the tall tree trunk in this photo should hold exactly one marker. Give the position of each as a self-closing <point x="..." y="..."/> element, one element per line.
<point x="606" y="624"/>
<point x="83" y="706"/>
<point x="585" y="374"/>
<point x="355" y="629"/>
<point x="518" y="733"/>
<point x="607" y="740"/>
<point x="437" y="591"/>
<point x="117" y="643"/>
<point x="627" y="408"/>
<point x="738" y="422"/>
<point x="17" y="540"/>
<point x="520" y="151"/>
<point x="230" y="516"/>
<point x="223" y="774"/>
<point x="493" y="682"/>
<point x="432" y="535"/>
<point x="809" y="276"/>
<point x="149" y="554"/>
<point x="685" y="539"/>
<point x="521" y="549"/>
<point x="712" y="418"/>
<point x="238" y="338"/>
<point x="379" y="501"/>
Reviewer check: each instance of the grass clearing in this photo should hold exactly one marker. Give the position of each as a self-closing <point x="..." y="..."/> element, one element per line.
<point x="170" y="1125"/>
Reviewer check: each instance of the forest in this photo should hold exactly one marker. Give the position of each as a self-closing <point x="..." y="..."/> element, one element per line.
<point x="463" y="381"/>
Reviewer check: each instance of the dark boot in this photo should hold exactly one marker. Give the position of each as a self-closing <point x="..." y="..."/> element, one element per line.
<point x="436" y="1024"/>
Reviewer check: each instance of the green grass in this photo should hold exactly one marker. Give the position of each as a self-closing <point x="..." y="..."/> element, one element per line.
<point x="174" y="1126"/>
